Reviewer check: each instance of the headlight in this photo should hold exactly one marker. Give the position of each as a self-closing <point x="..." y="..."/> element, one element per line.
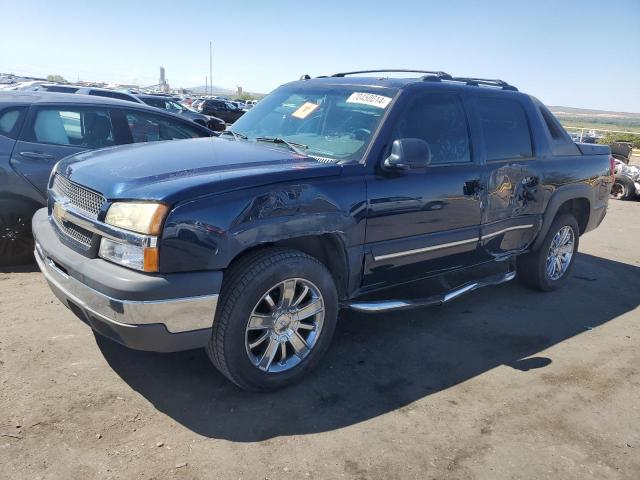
<point x="128" y="255"/>
<point x="139" y="217"/>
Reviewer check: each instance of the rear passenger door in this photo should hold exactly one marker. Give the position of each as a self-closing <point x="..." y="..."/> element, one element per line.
<point x="53" y="132"/>
<point x="512" y="190"/>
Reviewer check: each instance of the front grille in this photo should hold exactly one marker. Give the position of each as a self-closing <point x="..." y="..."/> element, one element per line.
<point x="80" y="197"/>
<point x="73" y="231"/>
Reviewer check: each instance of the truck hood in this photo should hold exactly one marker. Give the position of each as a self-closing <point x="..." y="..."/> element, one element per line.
<point x="176" y="170"/>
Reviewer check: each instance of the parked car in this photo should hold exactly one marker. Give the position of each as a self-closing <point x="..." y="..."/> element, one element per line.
<point x="223" y="109"/>
<point x="38" y="128"/>
<point x="165" y="103"/>
<point x="332" y="190"/>
<point x="195" y="105"/>
<point x="98" y="92"/>
<point x="627" y="181"/>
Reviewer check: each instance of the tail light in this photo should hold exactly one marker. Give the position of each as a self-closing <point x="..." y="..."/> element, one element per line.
<point x="612" y="165"/>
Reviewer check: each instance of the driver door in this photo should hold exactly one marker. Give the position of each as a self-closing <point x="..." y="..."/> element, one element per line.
<point x="425" y="221"/>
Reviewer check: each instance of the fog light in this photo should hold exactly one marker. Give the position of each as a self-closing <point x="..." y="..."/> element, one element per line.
<point x="140" y="258"/>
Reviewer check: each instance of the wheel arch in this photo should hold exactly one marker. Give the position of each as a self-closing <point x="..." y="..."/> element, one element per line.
<point x="328" y="248"/>
<point x="574" y="199"/>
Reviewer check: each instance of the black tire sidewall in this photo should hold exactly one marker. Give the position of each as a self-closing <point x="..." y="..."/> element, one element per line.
<point x="237" y="360"/>
<point x="630" y="188"/>
<point x="545" y="282"/>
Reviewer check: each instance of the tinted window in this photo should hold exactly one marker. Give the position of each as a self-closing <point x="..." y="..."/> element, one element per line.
<point x="505" y="128"/>
<point x="119" y="96"/>
<point x="147" y="127"/>
<point x="11" y="120"/>
<point x="555" y="130"/>
<point x="61" y="89"/>
<point x="154" y="102"/>
<point x="84" y="127"/>
<point x="439" y="120"/>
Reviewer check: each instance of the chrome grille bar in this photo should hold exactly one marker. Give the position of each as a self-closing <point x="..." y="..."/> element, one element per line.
<point x="80" y="197"/>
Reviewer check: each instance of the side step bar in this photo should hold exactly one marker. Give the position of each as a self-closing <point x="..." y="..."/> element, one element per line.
<point x="381" y="306"/>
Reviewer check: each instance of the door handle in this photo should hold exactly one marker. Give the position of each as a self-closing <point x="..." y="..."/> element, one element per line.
<point x="36" y="155"/>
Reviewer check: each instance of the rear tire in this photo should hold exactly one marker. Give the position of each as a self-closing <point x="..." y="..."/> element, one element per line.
<point x="623" y="188"/>
<point x="538" y="269"/>
<point x="297" y="344"/>
<point x="16" y="241"/>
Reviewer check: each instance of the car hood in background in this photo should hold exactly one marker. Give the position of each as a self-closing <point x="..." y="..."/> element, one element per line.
<point x="172" y="171"/>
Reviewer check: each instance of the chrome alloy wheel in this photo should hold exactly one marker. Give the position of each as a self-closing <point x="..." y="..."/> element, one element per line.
<point x="285" y="325"/>
<point x="560" y="253"/>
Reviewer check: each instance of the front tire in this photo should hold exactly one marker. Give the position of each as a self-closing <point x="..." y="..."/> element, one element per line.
<point x="275" y="319"/>
<point x="548" y="268"/>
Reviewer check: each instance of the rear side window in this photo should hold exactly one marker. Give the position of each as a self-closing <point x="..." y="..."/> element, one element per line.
<point x="555" y="130"/>
<point x="505" y="128"/>
<point x="85" y="127"/>
<point x="119" y="96"/>
<point x="147" y="127"/>
<point x="61" y="89"/>
<point x="440" y="120"/>
<point x="154" y="102"/>
<point x="11" y="121"/>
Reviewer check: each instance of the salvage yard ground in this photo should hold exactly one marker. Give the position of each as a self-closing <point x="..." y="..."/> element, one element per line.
<point x="504" y="383"/>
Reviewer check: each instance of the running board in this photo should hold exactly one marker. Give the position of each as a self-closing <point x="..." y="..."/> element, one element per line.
<point x="382" y="306"/>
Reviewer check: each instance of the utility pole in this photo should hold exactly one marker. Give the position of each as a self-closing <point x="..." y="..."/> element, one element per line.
<point x="206" y="84"/>
<point x="210" y="69"/>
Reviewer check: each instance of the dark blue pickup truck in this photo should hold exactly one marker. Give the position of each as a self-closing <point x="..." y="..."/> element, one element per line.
<point x="369" y="193"/>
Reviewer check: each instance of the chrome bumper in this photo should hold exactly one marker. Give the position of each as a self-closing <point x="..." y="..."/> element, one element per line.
<point x="178" y="315"/>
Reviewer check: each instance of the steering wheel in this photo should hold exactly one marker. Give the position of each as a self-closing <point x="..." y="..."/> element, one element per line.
<point x="361" y="134"/>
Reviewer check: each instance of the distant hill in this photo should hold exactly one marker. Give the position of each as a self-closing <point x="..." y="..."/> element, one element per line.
<point x="598" y="119"/>
<point x="203" y="90"/>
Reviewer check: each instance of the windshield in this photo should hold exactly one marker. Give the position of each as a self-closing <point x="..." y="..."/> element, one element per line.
<point x="334" y="123"/>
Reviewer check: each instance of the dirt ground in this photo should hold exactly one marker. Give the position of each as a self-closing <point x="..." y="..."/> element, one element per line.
<point x="504" y="383"/>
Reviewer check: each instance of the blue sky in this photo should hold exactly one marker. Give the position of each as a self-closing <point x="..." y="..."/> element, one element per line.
<point x="572" y="53"/>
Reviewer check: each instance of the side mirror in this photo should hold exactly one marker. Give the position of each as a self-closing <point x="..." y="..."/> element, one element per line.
<point x="407" y="154"/>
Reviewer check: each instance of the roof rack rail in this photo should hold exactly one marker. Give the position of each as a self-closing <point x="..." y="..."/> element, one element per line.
<point x="476" y="82"/>
<point x="437" y="76"/>
<point x="392" y="70"/>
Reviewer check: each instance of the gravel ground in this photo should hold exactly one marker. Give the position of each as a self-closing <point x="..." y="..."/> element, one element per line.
<point x="503" y="383"/>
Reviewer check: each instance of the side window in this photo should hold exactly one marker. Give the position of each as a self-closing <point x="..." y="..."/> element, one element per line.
<point x="505" y="128"/>
<point x="555" y="130"/>
<point x="61" y="89"/>
<point x="154" y="102"/>
<point x="85" y="127"/>
<point x="11" y="121"/>
<point x="119" y="96"/>
<point x="147" y="127"/>
<point x="440" y="120"/>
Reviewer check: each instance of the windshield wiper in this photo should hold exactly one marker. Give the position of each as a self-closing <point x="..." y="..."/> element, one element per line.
<point x="235" y="135"/>
<point x="293" y="146"/>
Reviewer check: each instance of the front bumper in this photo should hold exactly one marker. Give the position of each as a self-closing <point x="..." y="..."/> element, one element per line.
<point x="154" y="312"/>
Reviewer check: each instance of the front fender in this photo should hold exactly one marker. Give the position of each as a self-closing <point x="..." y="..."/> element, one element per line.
<point x="209" y="232"/>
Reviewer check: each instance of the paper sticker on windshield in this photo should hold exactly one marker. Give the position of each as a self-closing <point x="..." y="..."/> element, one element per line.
<point x="371" y="99"/>
<point x="305" y="110"/>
